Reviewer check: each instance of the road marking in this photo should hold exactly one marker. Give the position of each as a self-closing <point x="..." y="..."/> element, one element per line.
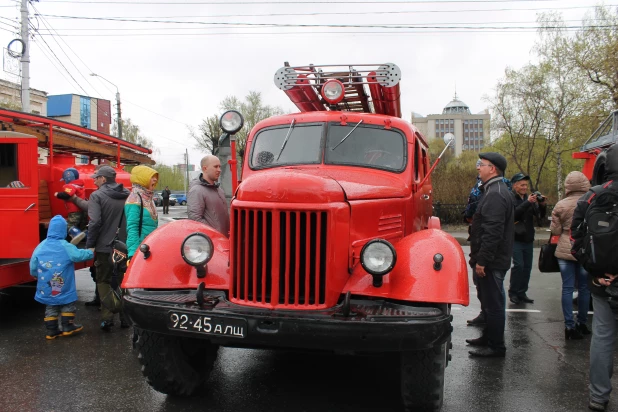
<point x="524" y="310"/>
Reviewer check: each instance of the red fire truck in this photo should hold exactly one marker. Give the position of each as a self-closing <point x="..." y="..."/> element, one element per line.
<point x="27" y="203"/>
<point x="332" y="245"/>
<point x="593" y="151"/>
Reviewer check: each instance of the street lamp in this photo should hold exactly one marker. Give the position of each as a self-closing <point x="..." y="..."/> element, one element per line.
<point x="118" y="116"/>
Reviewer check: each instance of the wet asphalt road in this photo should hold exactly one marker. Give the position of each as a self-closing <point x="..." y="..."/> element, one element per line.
<point x="97" y="371"/>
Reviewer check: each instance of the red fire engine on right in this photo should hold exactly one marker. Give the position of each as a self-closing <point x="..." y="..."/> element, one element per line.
<point x="332" y="247"/>
<point x="593" y="151"/>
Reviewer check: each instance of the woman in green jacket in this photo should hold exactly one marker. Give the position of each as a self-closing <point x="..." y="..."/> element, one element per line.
<point x="140" y="202"/>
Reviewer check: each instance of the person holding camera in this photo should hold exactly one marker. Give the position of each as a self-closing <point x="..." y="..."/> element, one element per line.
<point x="600" y="282"/>
<point x="527" y="207"/>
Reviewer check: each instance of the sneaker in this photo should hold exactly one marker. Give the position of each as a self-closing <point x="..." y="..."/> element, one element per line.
<point x="93" y="302"/>
<point x="572" y="334"/>
<point x="106" y="325"/>
<point x="583" y="329"/>
<point x="482" y="341"/>
<point x="597" y="406"/>
<point x="487" y="353"/>
<point x="478" y="321"/>
<point x="524" y="298"/>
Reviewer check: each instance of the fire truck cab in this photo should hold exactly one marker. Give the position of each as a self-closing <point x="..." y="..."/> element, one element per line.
<point x="593" y="151"/>
<point x="332" y="247"/>
<point x="27" y="187"/>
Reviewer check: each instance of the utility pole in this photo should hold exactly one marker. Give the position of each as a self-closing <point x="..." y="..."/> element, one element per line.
<point x="187" y="173"/>
<point x="118" y="117"/>
<point x="25" y="59"/>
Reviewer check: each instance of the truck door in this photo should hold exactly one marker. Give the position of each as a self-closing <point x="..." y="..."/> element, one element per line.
<point x="19" y="189"/>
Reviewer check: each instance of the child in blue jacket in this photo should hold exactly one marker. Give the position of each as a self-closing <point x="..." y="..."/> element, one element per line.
<point x="52" y="265"/>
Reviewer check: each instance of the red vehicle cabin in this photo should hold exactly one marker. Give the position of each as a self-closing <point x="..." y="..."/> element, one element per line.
<point x="332" y="245"/>
<point x="593" y="151"/>
<point x="27" y="201"/>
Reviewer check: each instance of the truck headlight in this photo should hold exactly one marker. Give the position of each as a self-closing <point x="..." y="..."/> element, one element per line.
<point x="197" y="249"/>
<point x="231" y="121"/>
<point x="378" y="257"/>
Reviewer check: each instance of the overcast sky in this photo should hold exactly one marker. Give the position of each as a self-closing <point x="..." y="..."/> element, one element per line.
<point x="172" y="74"/>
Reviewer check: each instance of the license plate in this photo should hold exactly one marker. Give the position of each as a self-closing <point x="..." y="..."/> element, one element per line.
<point x="208" y="325"/>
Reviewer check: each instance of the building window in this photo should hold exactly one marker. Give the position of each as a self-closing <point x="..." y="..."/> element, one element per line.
<point x="452" y="121"/>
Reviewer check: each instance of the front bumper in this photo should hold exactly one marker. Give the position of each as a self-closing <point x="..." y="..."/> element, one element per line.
<point x="371" y="326"/>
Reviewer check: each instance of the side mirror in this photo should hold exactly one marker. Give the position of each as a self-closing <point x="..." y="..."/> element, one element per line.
<point x="449" y="139"/>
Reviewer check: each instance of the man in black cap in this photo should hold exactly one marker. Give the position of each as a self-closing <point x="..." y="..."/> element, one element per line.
<point x="106" y="213"/>
<point x="526" y="208"/>
<point x="491" y="244"/>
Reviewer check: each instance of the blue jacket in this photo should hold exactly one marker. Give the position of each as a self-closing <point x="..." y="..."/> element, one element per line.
<point x="52" y="265"/>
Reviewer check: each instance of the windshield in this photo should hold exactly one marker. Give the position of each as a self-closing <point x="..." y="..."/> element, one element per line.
<point x="303" y="146"/>
<point x="365" y="145"/>
<point x="357" y="144"/>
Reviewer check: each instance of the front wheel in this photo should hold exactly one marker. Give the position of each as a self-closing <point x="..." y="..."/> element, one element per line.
<point x="183" y="203"/>
<point x="422" y="378"/>
<point x="175" y="365"/>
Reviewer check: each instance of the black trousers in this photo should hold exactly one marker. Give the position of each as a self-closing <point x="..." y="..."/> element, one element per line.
<point x="493" y="302"/>
<point x="166" y="206"/>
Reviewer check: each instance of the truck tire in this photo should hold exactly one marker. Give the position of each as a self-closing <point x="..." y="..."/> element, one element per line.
<point x="175" y="365"/>
<point x="598" y="173"/>
<point x="422" y="378"/>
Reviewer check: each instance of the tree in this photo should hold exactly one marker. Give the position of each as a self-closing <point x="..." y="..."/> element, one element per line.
<point x="595" y="51"/>
<point x="253" y="110"/>
<point x="209" y="133"/>
<point x="132" y="133"/>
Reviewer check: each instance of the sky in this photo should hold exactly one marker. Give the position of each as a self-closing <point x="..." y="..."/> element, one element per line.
<point x="173" y="61"/>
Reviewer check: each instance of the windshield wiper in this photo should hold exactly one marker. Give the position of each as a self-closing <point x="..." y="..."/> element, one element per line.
<point x="347" y="135"/>
<point x="287" y="136"/>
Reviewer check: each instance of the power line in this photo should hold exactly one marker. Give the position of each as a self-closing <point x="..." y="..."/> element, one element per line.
<point x="149" y="3"/>
<point x="49" y="28"/>
<point x="359" y="13"/>
<point x="377" y="26"/>
<point x="115" y="29"/>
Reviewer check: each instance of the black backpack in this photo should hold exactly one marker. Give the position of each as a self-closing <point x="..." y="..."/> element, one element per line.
<point x="598" y="249"/>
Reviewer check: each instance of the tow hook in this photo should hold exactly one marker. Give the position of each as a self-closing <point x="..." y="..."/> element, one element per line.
<point x="204" y="300"/>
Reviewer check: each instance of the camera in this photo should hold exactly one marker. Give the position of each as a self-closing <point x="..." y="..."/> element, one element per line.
<point x="539" y="196"/>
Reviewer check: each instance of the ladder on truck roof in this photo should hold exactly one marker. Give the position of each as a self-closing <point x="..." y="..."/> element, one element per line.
<point x="303" y="85"/>
<point x="63" y="137"/>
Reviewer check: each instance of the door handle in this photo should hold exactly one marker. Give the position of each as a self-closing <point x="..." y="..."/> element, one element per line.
<point x="425" y="197"/>
<point x="30" y="207"/>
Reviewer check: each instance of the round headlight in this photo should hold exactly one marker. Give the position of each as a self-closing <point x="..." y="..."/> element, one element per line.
<point x="378" y="257"/>
<point x="197" y="249"/>
<point x="231" y="121"/>
<point x="332" y="91"/>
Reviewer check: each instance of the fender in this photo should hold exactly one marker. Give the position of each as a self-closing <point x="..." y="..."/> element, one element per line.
<point x="166" y="269"/>
<point x="414" y="278"/>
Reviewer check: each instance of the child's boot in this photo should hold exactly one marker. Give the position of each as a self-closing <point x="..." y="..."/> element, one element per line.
<point x="76" y="235"/>
<point x="69" y="327"/>
<point x="51" y="323"/>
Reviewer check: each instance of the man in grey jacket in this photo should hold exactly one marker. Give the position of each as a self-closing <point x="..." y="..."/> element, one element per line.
<point x="106" y="213"/>
<point x="206" y="200"/>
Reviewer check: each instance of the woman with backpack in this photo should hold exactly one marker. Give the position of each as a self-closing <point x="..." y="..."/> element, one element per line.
<point x="139" y="208"/>
<point x="576" y="185"/>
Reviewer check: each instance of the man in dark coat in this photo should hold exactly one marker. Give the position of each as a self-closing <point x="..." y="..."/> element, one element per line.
<point x="604" y="324"/>
<point x="106" y="213"/>
<point x="491" y="244"/>
<point x="165" y="195"/>
<point x="527" y="207"/>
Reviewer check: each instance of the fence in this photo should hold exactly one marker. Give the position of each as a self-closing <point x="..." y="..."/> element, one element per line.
<point x="452" y="214"/>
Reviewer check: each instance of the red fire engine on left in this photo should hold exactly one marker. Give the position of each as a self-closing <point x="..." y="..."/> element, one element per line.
<point x="25" y="211"/>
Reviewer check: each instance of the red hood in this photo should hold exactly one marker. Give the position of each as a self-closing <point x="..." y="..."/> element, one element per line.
<point x="318" y="185"/>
